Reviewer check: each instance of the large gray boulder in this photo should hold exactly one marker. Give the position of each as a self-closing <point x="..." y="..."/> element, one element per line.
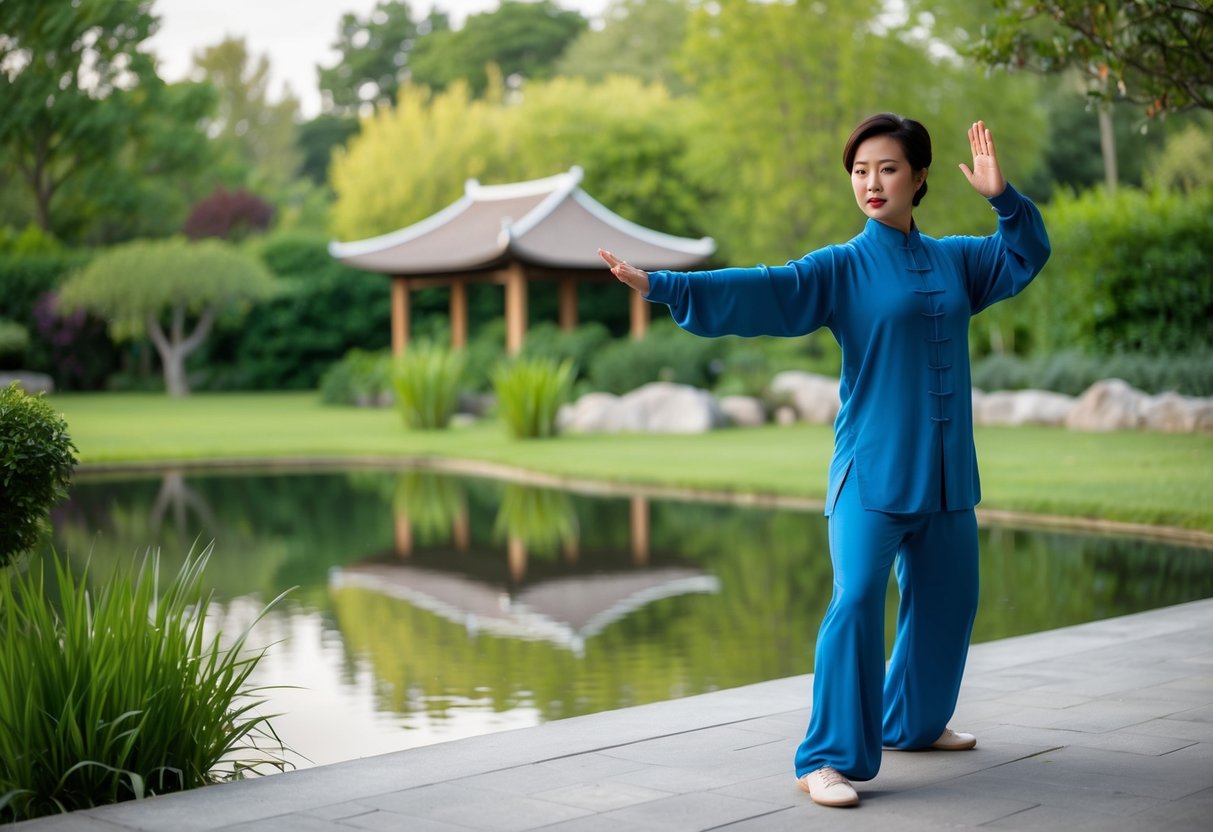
<point x="1111" y="404"/>
<point x="815" y="397"/>
<point x="1174" y="413"/>
<point x="588" y="414"/>
<point x="1021" y="407"/>
<point x="664" y="407"/>
<point x="744" y="411"/>
<point x="660" y="407"/>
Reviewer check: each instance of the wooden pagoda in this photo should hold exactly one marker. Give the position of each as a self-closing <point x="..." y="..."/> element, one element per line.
<point x="545" y="229"/>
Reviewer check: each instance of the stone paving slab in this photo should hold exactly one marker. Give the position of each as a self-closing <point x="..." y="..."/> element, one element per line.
<point x="1107" y="726"/>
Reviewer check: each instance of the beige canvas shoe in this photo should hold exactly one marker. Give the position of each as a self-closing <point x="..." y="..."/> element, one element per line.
<point x="951" y="740"/>
<point x="829" y="788"/>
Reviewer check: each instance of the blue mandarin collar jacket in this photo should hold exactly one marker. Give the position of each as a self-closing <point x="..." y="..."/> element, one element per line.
<point x="899" y="306"/>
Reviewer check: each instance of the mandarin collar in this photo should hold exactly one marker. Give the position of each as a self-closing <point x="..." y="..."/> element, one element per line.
<point x="877" y="231"/>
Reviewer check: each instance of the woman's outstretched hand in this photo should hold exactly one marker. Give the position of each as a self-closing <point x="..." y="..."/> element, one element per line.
<point x="626" y="273"/>
<point x="985" y="176"/>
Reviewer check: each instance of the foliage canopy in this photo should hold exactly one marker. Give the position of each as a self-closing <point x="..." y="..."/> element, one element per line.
<point x="140" y="286"/>
<point x="1158" y="53"/>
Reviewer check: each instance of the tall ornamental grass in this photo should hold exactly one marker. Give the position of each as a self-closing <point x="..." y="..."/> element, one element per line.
<point x="427" y="379"/>
<point x="116" y="694"/>
<point x="530" y="392"/>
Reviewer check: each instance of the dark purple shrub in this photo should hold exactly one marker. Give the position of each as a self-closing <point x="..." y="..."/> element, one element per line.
<point x="74" y="347"/>
<point x="230" y="215"/>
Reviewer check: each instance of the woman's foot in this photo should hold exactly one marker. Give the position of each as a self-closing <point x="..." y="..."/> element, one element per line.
<point x="829" y="788"/>
<point x="951" y="740"/>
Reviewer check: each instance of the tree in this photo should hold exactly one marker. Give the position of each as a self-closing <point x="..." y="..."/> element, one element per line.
<point x="316" y="140"/>
<point x="374" y="57"/>
<point x="524" y="40"/>
<point x="146" y="187"/>
<point x="1158" y="53"/>
<point x="410" y="162"/>
<point x="782" y="85"/>
<point x="67" y="71"/>
<point x="640" y="38"/>
<point x="159" y="288"/>
<point x="635" y="165"/>
<point x="259" y="135"/>
<point x="229" y="215"/>
<point x="1183" y="163"/>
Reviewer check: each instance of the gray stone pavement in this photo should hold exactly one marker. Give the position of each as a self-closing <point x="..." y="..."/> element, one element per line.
<point x="1102" y="726"/>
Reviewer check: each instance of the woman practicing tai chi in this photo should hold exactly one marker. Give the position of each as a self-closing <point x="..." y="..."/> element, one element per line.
<point x="903" y="480"/>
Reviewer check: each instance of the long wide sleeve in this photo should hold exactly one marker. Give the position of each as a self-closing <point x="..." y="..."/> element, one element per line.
<point x="788" y="300"/>
<point x="1001" y="265"/>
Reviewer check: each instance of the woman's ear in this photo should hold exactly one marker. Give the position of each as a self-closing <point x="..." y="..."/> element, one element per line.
<point x="921" y="177"/>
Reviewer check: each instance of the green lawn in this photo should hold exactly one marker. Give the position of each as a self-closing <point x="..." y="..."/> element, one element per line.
<point x="1141" y="477"/>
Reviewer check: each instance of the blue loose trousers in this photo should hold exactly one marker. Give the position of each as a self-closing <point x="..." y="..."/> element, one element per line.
<point x="858" y="707"/>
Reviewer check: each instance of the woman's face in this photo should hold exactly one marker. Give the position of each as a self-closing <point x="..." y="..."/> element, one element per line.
<point x="883" y="182"/>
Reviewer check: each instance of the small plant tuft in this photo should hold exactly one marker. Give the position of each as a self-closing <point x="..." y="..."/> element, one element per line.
<point x="530" y="392"/>
<point x="427" y="379"/>
<point x="36" y="461"/>
<point x="116" y="694"/>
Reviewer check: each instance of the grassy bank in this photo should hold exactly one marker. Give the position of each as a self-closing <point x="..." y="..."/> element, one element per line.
<point x="1139" y="477"/>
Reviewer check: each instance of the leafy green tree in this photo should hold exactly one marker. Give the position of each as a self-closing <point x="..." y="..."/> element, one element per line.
<point x="1183" y="163"/>
<point x="147" y="186"/>
<point x="1074" y="151"/>
<point x="374" y="57"/>
<point x="524" y="40"/>
<point x="410" y="161"/>
<point x="159" y="289"/>
<point x="630" y="139"/>
<point x="640" y="38"/>
<point x="67" y="72"/>
<point x="316" y="139"/>
<point x="257" y="134"/>
<point x="1158" y="53"/>
<point x="781" y="87"/>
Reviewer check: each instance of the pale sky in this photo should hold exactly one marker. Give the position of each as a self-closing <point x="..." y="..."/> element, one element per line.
<point x="295" y="34"/>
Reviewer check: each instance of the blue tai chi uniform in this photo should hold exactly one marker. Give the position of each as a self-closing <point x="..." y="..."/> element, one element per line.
<point x="903" y="480"/>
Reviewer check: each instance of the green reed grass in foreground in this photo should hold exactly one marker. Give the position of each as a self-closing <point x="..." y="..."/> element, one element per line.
<point x="116" y="693"/>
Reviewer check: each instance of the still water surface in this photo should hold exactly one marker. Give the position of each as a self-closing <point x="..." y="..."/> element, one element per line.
<point x="428" y="607"/>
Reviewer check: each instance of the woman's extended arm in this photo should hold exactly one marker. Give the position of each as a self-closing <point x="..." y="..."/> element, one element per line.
<point x="789" y="300"/>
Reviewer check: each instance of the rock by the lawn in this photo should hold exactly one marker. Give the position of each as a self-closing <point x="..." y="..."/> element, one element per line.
<point x="1021" y="407"/>
<point x="814" y="397"/>
<point x="660" y="407"/>
<point x="588" y="414"/>
<point x="1111" y="404"/>
<point x="664" y="407"/>
<point x="744" y="411"/>
<point x="1174" y="413"/>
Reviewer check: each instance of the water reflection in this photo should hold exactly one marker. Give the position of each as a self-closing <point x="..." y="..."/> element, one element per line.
<point x="432" y="607"/>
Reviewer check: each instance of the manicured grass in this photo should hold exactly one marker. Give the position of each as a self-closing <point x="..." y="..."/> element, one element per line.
<point x="1141" y="477"/>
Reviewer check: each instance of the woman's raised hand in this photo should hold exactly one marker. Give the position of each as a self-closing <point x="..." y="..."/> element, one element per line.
<point x="985" y="176"/>
<point x="626" y="273"/>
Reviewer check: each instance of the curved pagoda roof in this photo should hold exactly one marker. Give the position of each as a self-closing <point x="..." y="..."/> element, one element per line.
<point x="547" y="222"/>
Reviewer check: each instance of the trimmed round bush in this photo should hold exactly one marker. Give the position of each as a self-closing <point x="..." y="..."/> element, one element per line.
<point x="36" y="460"/>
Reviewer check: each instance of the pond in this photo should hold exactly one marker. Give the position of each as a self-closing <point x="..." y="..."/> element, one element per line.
<point x="427" y="607"/>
